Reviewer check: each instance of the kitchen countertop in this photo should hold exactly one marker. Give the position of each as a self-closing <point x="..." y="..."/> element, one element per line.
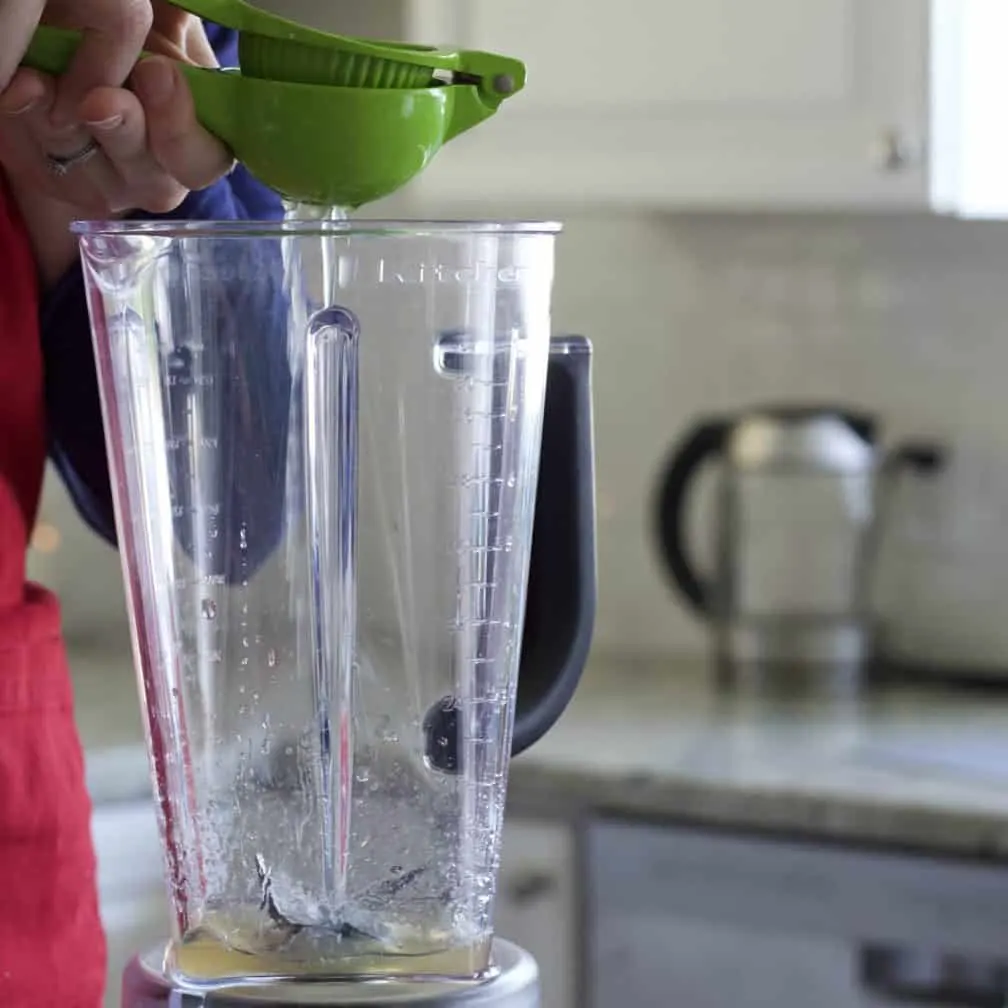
<point x="924" y="769"/>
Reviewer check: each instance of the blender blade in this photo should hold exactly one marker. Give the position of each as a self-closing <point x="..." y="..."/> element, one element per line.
<point x="327" y="923"/>
<point x="288" y="927"/>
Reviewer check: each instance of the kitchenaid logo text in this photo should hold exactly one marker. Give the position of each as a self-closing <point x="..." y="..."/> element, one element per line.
<point x="418" y="274"/>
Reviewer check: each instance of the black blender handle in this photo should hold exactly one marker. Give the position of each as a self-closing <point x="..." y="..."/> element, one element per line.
<point x="703" y="441"/>
<point x="560" y="600"/>
<point x="561" y="597"/>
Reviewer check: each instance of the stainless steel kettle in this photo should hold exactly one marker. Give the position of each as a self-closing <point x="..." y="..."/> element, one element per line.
<point x="797" y="522"/>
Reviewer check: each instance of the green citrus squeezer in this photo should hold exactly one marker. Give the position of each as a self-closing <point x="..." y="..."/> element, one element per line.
<point x="322" y="118"/>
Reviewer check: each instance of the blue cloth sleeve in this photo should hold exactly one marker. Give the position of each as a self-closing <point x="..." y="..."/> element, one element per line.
<point x="256" y="449"/>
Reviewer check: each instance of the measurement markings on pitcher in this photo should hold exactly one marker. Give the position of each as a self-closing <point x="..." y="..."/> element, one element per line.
<point x="205" y="443"/>
<point x="200" y="581"/>
<point x="199" y="511"/>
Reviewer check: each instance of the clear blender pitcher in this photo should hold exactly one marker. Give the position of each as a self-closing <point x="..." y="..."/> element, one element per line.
<point x="324" y="443"/>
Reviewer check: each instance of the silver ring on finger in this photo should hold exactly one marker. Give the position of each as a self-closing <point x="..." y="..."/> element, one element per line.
<point x="61" y="166"/>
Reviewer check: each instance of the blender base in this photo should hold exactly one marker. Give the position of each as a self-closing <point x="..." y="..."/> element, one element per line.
<point x="515" y="986"/>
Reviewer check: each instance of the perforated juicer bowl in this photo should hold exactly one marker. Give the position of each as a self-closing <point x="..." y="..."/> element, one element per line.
<point x="326" y="145"/>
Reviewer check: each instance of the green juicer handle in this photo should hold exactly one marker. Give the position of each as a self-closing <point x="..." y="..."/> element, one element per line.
<point x="52" y="49"/>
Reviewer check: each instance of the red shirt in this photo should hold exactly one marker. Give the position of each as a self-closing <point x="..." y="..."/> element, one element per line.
<point x="52" y="950"/>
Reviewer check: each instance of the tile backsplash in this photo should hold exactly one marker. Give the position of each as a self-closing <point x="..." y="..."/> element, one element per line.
<point x="907" y="317"/>
<point x="904" y="316"/>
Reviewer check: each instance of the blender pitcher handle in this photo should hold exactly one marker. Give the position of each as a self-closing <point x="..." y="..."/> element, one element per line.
<point x="560" y="605"/>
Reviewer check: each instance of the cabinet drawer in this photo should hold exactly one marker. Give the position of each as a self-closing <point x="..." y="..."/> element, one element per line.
<point x="131" y="889"/>
<point x="537" y="903"/>
<point x="715" y="921"/>
<point x="643" y="960"/>
<point x="799" y="888"/>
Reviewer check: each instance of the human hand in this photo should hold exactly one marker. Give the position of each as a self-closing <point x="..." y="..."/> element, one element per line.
<point x="114" y="32"/>
<point x="127" y="150"/>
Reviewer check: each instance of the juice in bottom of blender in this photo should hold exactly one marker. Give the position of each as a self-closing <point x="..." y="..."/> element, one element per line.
<point x="205" y="957"/>
<point x="410" y="909"/>
<point x="421" y="875"/>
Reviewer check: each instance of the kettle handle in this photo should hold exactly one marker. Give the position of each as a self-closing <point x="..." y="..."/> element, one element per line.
<point x="702" y="442"/>
<point x="923" y="458"/>
<point x="920" y="457"/>
<point x="561" y="597"/>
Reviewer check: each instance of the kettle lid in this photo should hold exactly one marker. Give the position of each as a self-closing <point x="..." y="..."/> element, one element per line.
<point x="819" y="438"/>
<point x="863" y="424"/>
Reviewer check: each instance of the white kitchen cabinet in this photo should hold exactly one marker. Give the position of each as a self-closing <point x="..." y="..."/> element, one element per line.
<point x="717" y="921"/>
<point x="537" y="903"/>
<point x="733" y="105"/>
<point x="131" y="888"/>
<point x="969" y="175"/>
<point x="725" y="103"/>
<point x="721" y="105"/>
<point x="707" y="965"/>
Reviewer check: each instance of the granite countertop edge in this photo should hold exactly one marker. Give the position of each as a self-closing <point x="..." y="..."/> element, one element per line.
<point x="675" y="753"/>
<point x="926" y="829"/>
<point x="121" y="774"/>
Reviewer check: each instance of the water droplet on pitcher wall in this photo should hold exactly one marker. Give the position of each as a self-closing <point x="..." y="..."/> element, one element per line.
<point x="271" y="658"/>
<point x="209" y="609"/>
